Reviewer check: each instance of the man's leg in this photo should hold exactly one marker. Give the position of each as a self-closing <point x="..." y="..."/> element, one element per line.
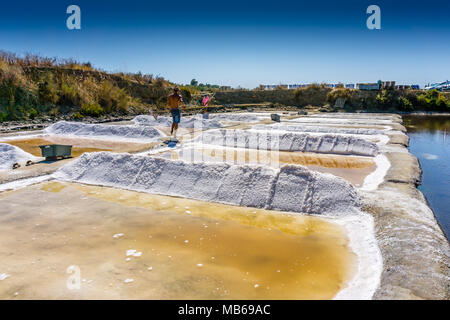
<point x="175" y="130"/>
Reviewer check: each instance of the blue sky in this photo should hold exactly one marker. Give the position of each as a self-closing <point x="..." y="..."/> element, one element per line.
<point x="242" y="43"/>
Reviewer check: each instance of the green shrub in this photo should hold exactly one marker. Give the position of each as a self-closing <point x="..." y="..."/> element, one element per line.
<point x="32" y="113"/>
<point x="69" y="95"/>
<point x="78" y="116"/>
<point x="385" y="99"/>
<point x="48" y="91"/>
<point x="92" y="110"/>
<point x="433" y="100"/>
<point x="3" y="116"/>
<point x="404" y="104"/>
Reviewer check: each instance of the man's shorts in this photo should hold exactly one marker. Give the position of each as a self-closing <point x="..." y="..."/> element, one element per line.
<point x="176" y="115"/>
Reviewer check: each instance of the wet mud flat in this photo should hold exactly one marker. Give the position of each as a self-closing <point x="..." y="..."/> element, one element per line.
<point x="130" y="245"/>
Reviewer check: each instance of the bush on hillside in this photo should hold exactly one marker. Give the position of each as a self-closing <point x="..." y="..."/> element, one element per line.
<point x="92" y="110"/>
<point x="339" y="93"/>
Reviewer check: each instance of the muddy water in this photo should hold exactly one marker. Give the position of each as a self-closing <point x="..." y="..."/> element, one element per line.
<point x="184" y="248"/>
<point x="354" y="169"/>
<point x="79" y="145"/>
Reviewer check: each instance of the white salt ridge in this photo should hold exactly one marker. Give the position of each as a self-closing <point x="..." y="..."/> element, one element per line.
<point x="290" y="188"/>
<point x="3" y="276"/>
<point x="279" y="141"/>
<point x="235" y="117"/>
<point x="365" y="281"/>
<point x="186" y="122"/>
<point x="374" y="179"/>
<point x="355" y="121"/>
<point x="22" y="183"/>
<point x="315" y="128"/>
<point x="106" y="132"/>
<point x="133" y="253"/>
<point x="363" y="116"/>
<point x="9" y="155"/>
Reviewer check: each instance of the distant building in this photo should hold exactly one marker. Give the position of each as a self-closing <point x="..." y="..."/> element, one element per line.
<point x="368" y="86"/>
<point x="441" y="86"/>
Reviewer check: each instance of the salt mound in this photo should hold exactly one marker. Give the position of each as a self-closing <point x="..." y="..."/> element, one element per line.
<point x="186" y="122"/>
<point x="336" y="144"/>
<point x="311" y="128"/>
<point x="238" y="117"/>
<point x="102" y="131"/>
<point x="9" y="155"/>
<point x="144" y="120"/>
<point x="290" y="188"/>
<point x="337" y="121"/>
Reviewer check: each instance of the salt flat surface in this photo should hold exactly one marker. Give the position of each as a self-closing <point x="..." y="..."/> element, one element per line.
<point x="9" y="155"/>
<point x="304" y="142"/>
<point x="102" y="131"/>
<point x="290" y="188"/>
<point x="186" y="122"/>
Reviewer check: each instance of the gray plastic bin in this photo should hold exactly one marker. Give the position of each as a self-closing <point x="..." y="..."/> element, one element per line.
<point x="53" y="151"/>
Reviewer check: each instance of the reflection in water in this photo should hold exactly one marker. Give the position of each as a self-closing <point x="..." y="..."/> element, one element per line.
<point x="430" y="142"/>
<point x="184" y="248"/>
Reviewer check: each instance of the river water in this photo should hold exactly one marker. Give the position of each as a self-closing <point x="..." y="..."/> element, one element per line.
<point x="430" y="143"/>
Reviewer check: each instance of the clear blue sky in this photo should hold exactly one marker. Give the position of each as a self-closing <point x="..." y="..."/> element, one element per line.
<point x="242" y="43"/>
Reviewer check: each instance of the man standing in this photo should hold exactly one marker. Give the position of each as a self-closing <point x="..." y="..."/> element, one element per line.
<point x="173" y="103"/>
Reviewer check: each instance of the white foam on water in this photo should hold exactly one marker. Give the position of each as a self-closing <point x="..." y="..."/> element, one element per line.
<point x="375" y="178"/>
<point x="290" y="188"/>
<point x="9" y="155"/>
<point x="131" y="133"/>
<point x="429" y="156"/>
<point x="289" y="141"/>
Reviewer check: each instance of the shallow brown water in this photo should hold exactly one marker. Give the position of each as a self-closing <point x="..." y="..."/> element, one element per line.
<point x="79" y="145"/>
<point x="195" y="250"/>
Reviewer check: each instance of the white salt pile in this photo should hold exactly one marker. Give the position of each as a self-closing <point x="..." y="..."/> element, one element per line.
<point x="106" y="132"/>
<point x="267" y="140"/>
<point x="343" y="115"/>
<point x="235" y="117"/>
<point x="290" y="188"/>
<point x="315" y="128"/>
<point x="186" y="122"/>
<point x="9" y="155"/>
<point x="145" y="120"/>
<point x="343" y="120"/>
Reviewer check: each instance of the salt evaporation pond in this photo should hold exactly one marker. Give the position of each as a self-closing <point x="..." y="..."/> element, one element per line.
<point x="354" y="169"/>
<point x="130" y="245"/>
